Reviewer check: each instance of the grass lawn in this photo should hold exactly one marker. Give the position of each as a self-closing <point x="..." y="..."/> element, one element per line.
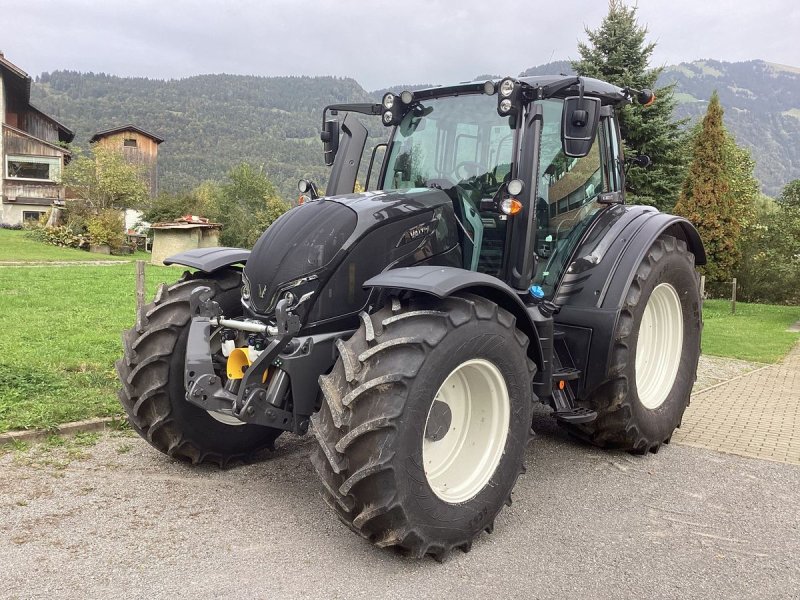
<point x="59" y="337"/>
<point x="757" y="332"/>
<point x="16" y="246"/>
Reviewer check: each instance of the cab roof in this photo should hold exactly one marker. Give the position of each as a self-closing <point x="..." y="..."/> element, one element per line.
<point x="543" y="86"/>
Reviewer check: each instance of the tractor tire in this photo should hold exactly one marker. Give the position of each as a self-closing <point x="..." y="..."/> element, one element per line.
<point x="654" y="357"/>
<point x="152" y="375"/>
<point x="424" y="422"/>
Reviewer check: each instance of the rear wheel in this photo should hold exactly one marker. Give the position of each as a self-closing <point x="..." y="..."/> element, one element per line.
<point x="152" y="376"/>
<point x="424" y="423"/>
<point x="654" y="357"/>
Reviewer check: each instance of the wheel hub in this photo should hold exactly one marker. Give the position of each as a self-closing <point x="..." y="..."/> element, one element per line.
<point x="466" y="430"/>
<point x="439" y="421"/>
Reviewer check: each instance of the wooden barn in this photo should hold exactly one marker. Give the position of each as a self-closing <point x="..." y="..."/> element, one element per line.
<point x="138" y="146"/>
<point x="32" y="159"/>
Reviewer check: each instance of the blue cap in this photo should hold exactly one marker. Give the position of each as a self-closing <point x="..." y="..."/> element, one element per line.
<point x="537" y="292"/>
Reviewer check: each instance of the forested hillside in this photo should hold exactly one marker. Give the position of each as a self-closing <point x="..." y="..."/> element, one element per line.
<point x="209" y="122"/>
<point x="762" y="110"/>
<point x="212" y="122"/>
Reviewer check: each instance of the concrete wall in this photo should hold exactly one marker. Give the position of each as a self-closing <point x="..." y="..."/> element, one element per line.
<point x="167" y="242"/>
<point x="12" y="213"/>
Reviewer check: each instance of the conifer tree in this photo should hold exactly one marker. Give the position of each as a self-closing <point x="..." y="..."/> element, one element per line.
<point x="706" y="198"/>
<point x="618" y="52"/>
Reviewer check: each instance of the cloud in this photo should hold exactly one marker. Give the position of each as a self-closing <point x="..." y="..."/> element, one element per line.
<point x="378" y="43"/>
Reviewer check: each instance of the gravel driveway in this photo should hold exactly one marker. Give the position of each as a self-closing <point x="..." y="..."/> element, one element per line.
<point x="125" y="521"/>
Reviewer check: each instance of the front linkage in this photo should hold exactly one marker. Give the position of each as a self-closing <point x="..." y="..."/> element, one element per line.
<point x="253" y="398"/>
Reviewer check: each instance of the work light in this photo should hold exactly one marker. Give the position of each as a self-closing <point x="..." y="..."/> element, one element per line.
<point x="506" y="88"/>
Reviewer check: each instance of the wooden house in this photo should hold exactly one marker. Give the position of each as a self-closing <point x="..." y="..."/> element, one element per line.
<point x="138" y="146"/>
<point x="32" y="159"/>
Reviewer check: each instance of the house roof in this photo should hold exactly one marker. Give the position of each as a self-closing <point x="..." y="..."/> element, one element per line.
<point x="122" y="128"/>
<point x="20" y="83"/>
<point x="39" y="140"/>
<point x="68" y="134"/>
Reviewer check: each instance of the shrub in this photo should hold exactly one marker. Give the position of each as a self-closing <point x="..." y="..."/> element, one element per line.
<point x="106" y="227"/>
<point x="14" y="226"/>
<point x="57" y="236"/>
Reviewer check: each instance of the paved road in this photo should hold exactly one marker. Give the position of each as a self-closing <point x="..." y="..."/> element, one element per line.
<point x="685" y="523"/>
<point x="756" y="414"/>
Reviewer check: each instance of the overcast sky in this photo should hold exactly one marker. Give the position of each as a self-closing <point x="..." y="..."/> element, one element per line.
<point x="378" y="43"/>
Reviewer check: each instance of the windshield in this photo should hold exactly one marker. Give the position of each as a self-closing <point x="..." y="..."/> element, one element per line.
<point x="463" y="146"/>
<point x="449" y="140"/>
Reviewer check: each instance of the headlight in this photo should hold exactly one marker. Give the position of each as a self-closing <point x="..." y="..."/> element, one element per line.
<point x="406" y="97"/>
<point x="388" y="101"/>
<point x="387" y="117"/>
<point x="505" y="105"/>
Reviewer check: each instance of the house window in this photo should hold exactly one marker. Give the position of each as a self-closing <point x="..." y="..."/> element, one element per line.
<point x="31" y="215"/>
<point x="129" y="143"/>
<point x="36" y="168"/>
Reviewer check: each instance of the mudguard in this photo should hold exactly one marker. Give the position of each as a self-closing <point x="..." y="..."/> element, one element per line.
<point x="209" y="259"/>
<point x="446" y="281"/>
<point x="592" y="291"/>
<point x="603" y="264"/>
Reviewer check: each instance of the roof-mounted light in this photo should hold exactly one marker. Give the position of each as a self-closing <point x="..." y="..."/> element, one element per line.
<point x="388" y="101"/>
<point x="506" y="88"/>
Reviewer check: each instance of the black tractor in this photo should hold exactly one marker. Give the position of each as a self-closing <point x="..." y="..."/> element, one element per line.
<point x="412" y="327"/>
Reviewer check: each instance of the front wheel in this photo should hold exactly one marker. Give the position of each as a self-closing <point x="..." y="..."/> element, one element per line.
<point x="424" y="423"/>
<point x="152" y="375"/>
<point x="654" y="357"/>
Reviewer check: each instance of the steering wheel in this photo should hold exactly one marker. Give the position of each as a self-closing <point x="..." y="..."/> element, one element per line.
<point x="468" y="169"/>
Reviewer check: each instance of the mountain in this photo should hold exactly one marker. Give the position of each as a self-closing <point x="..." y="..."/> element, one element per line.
<point x="212" y="122"/>
<point x="762" y="110"/>
<point x="761" y="102"/>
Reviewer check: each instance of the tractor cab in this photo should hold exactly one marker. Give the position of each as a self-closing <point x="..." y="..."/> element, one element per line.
<point x="527" y="163"/>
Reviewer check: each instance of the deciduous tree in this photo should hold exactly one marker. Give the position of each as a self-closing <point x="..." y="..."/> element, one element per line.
<point x="104" y="179"/>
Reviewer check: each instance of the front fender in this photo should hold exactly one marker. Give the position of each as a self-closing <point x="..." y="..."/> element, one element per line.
<point x="209" y="259"/>
<point x="447" y="281"/>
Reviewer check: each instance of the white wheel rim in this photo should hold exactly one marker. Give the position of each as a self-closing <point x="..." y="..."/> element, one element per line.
<point x="659" y="346"/>
<point x="225" y="418"/>
<point x="461" y="462"/>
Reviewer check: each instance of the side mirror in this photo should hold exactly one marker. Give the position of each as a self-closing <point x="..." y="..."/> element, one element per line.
<point x="330" y="140"/>
<point x="579" y="125"/>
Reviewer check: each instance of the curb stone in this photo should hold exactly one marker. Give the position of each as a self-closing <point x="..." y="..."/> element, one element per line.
<point x="31" y="435"/>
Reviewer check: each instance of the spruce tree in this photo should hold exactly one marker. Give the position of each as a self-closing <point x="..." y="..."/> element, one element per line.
<point x="618" y="52"/>
<point x="706" y="198"/>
